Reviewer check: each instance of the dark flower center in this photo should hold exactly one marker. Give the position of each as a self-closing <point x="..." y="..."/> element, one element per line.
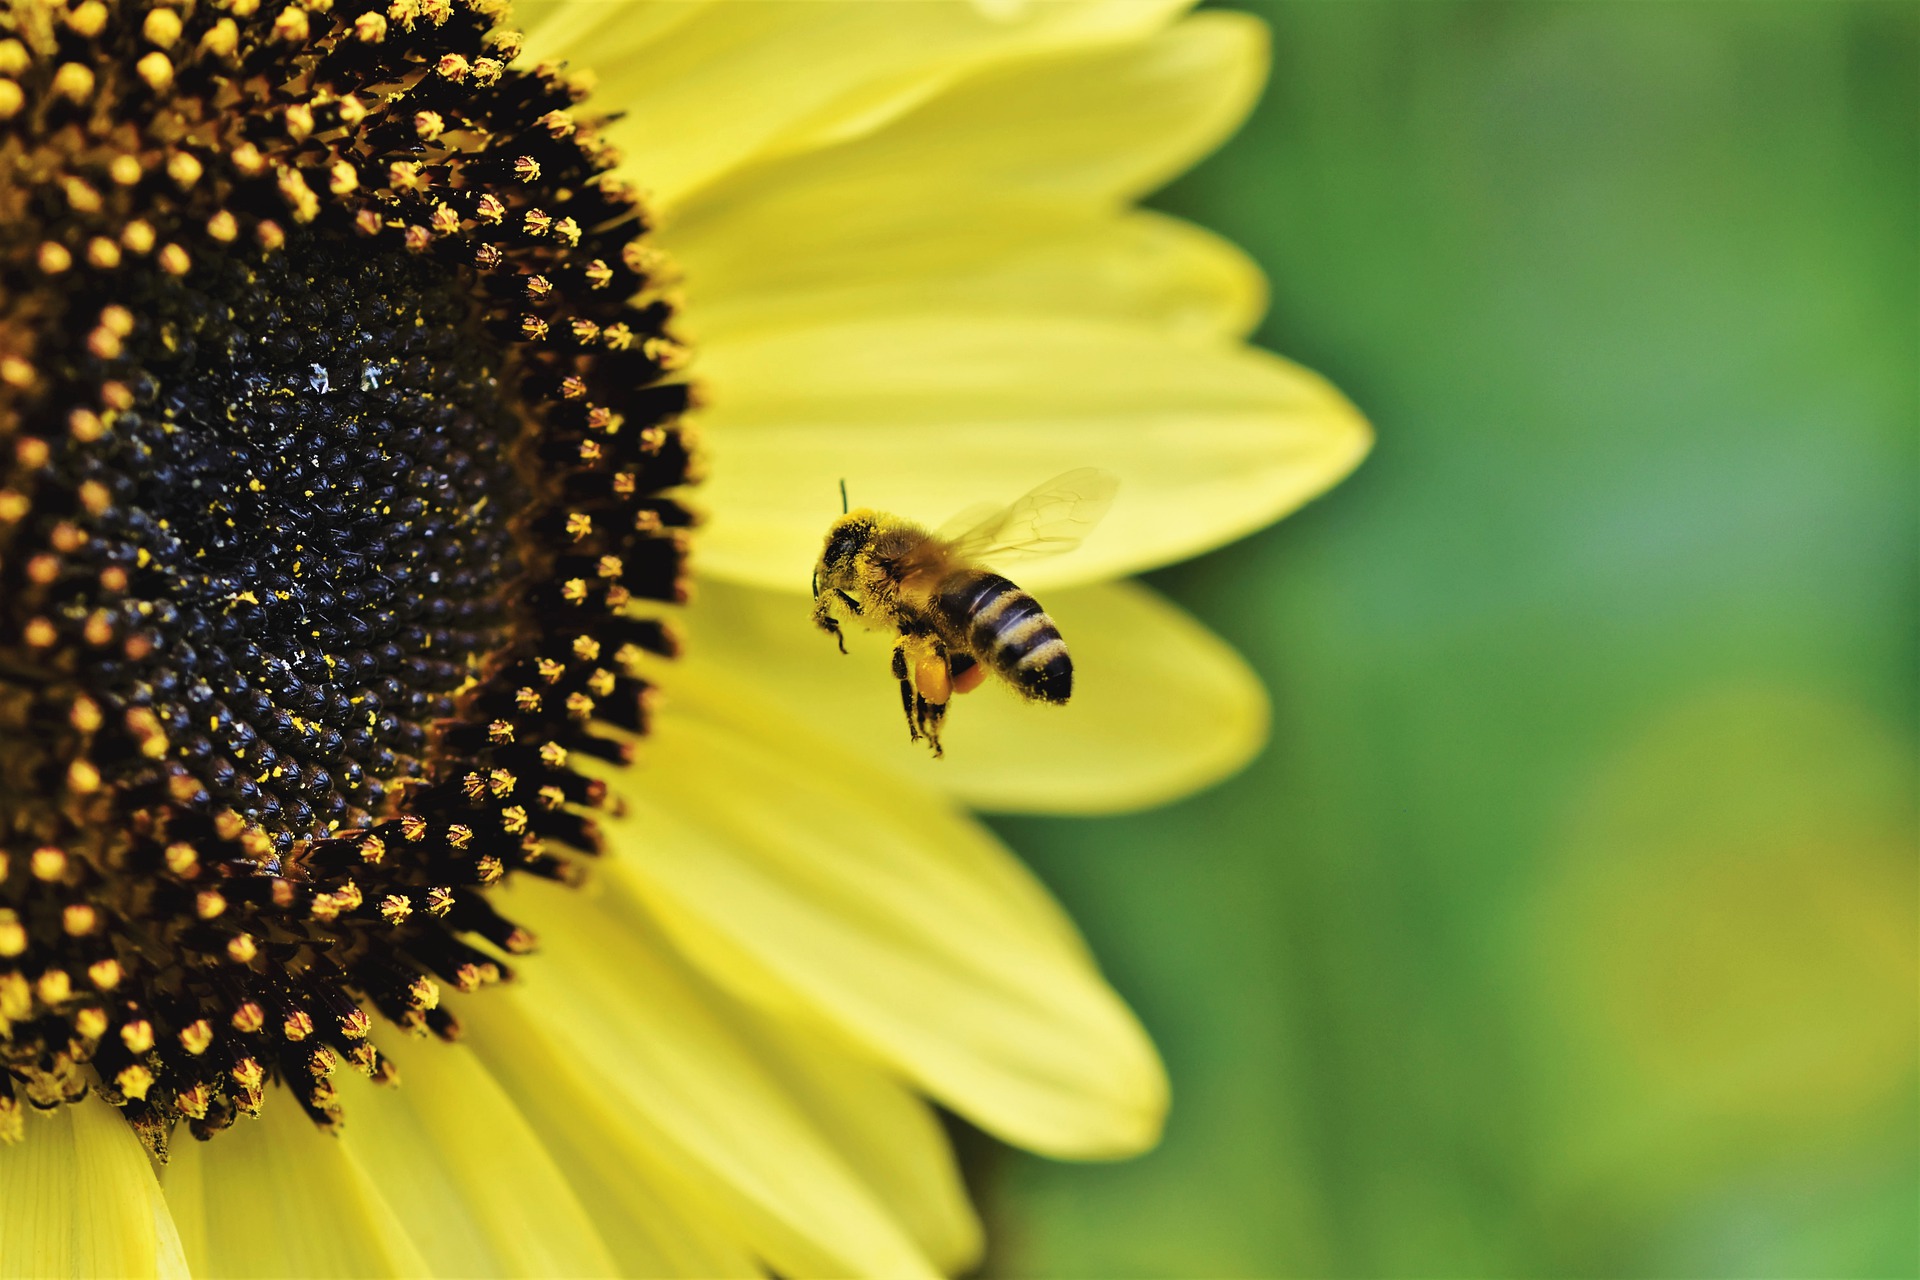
<point x="310" y="500"/>
<point x="334" y="444"/>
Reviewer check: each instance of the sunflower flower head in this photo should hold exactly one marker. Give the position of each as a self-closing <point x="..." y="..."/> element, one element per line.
<point x="345" y="507"/>
<point x="332" y="442"/>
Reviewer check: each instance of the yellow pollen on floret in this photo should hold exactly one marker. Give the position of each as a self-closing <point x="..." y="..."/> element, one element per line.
<point x="279" y="874"/>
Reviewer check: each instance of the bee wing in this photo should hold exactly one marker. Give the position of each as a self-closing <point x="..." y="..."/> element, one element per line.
<point x="1054" y="518"/>
<point x="962" y="523"/>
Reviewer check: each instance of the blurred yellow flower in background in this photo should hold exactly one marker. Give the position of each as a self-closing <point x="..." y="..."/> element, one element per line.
<point x="1715" y="950"/>
<point x="904" y="255"/>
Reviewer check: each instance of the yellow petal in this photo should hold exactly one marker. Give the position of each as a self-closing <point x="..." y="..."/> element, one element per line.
<point x="800" y="873"/>
<point x="886" y="1134"/>
<point x="1092" y="124"/>
<point x="649" y="1219"/>
<point x="923" y="417"/>
<point x="455" y="1160"/>
<point x="587" y="33"/>
<point x="710" y="88"/>
<point x="78" y="1198"/>
<point x="614" y="998"/>
<point x="277" y="1197"/>
<point x="812" y="255"/>
<point x="1160" y="706"/>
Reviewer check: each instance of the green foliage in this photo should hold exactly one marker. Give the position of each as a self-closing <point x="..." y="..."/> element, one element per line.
<point x="1568" y="926"/>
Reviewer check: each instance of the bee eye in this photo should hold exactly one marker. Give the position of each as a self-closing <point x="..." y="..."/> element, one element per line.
<point x="842" y="544"/>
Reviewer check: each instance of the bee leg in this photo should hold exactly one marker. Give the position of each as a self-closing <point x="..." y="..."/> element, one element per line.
<point x="930" y="714"/>
<point x="853" y="606"/>
<point x="907" y="695"/>
<point x="824" y="619"/>
<point x="933" y="681"/>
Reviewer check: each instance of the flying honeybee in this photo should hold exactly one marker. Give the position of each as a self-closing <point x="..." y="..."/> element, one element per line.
<point x="953" y="620"/>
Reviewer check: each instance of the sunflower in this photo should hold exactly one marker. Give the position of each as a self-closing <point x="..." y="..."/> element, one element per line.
<point x="352" y="518"/>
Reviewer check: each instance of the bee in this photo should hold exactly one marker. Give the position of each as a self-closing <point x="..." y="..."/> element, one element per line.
<point x="953" y="620"/>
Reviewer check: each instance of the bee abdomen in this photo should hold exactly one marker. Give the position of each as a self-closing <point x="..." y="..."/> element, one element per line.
<point x="1007" y="628"/>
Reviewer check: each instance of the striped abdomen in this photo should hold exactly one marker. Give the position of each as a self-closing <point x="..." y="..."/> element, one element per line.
<point x="1005" y="628"/>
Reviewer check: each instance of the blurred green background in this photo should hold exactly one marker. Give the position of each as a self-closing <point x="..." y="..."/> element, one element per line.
<point x="1568" y="926"/>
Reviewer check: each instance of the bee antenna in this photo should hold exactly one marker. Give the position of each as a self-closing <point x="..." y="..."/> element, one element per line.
<point x="843" y="495"/>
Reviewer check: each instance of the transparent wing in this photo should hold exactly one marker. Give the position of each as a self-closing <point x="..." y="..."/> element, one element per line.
<point x="1054" y="518"/>
<point x="964" y="522"/>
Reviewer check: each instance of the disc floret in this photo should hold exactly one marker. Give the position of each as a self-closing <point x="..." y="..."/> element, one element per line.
<point x="337" y="442"/>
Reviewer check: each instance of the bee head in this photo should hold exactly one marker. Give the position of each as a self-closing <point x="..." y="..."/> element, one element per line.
<point x="845" y="540"/>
